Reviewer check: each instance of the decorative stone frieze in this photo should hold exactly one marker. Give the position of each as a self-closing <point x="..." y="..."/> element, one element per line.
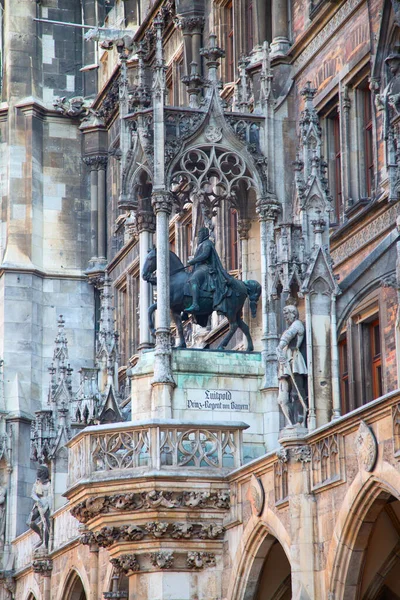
<point x="107" y="536"/>
<point x="126" y="563"/>
<point x="302" y="454"/>
<point x="77" y="106"/>
<point x="162" y="560"/>
<point x="200" y="560"/>
<point x="267" y="209"/>
<point x="153" y="500"/>
<point x="366" y="447"/>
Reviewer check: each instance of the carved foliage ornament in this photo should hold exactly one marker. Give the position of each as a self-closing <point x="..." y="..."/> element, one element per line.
<point x="125" y="563"/>
<point x="93" y="506"/>
<point x="366" y="447"/>
<point x="200" y="560"/>
<point x="162" y="560"/>
<point x="43" y="566"/>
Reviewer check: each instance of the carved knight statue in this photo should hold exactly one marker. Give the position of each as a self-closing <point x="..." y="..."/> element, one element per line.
<point x="39" y="518"/>
<point x="292" y="369"/>
<point x="208" y="274"/>
<point x="389" y="99"/>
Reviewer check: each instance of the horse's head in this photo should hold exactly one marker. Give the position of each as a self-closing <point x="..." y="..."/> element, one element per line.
<point x="254" y="293"/>
<point x="150" y="264"/>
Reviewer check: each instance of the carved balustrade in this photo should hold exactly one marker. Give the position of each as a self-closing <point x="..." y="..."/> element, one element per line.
<point x="104" y="452"/>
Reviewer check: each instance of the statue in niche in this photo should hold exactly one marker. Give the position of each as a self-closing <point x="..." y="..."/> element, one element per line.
<point x="292" y="370"/>
<point x="208" y="288"/>
<point x="39" y="518"/>
<point x="389" y="99"/>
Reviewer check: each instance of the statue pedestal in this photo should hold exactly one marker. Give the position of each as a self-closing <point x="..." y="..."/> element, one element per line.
<point x="211" y="385"/>
<point x="290" y="433"/>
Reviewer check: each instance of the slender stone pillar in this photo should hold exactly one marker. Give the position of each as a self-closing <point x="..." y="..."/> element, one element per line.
<point x="94" y="572"/>
<point x="146" y="228"/>
<point x="244" y="226"/>
<point x="91" y="162"/>
<point x="312" y="415"/>
<point x="335" y="362"/>
<point x="344" y="108"/>
<point x="163" y="381"/>
<point x="280" y="42"/>
<point x="267" y="209"/>
<point x="102" y="212"/>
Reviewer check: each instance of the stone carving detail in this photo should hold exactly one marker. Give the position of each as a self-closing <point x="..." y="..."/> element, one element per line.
<point x="145" y="221"/>
<point x="95" y="505"/>
<point x="73" y="107"/>
<point x="257" y="495"/>
<point x="162" y="560"/>
<point x="200" y="560"/>
<point x="212" y="172"/>
<point x="125" y="563"/>
<point x="110" y="102"/>
<point x="39" y="518"/>
<point x="366" y="447"/>
<point x="396" y="429"/>
<point x="211" y="532"/>
<point x="302" y="454"/>
<point x="281" y="476"/>
<point x="162" y="202"/>
<point x="190" y="24"/>
<point x="43" y="566"/>
<point x="122" y="450"/>
<point x="107" y="536"/>
<point x="157" y="529"/>
<point x="213" y="134"/>
<point x="7" y="581"/>
<point x="325" y="461"/>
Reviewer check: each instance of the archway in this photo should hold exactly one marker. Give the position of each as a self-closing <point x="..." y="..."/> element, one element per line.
<point x="370" y="564"/>
<point x="270" y="573"/>
<point x="74" y="589"/>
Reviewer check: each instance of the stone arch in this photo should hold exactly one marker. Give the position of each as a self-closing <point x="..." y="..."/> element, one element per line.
<point x="31" y="596"/>
<point x="73" y="587"/>
<point x="363" y="504"/>
<point x="259" y="539"/>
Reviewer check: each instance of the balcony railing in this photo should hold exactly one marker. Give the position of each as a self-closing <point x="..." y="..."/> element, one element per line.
<point x="106" y="451"/>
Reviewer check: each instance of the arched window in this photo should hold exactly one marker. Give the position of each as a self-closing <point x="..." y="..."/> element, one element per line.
<point x="74" y="589"/>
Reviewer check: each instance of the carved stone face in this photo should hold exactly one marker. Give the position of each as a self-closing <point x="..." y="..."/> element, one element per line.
<point x="394" y="65"/>
<point x="42" y="473"/>
<point x="290" y="314"/>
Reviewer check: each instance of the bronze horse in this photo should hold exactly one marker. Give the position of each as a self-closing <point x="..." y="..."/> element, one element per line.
<point x="180" y="299"/>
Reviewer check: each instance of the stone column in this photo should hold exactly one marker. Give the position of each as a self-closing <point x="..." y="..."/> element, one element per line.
<point x="102" y="212"/>
<point x="192" y="28"/>
<point x="43" y="566"/>
<point x="163" y="381"/>
<point x="280" y="42"/>
<point x="244" y="226"/>
<point x="344" y="109"/>
<point x="267" y="209"/>
<point x="94" y="571"/>
<point x="335" y="362"/>
<point x="91" y="162"/>
<point x="312" y="415"/>
<point x="146" y="228"/>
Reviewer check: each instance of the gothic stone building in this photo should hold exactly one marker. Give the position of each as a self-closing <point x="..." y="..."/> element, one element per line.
<point x="215" y="471"/>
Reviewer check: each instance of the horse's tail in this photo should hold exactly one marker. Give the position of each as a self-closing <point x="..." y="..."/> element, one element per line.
<point x="254" y="292"/>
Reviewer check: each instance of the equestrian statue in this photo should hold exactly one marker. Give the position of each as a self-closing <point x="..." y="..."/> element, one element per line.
<point x="207" y="288"/>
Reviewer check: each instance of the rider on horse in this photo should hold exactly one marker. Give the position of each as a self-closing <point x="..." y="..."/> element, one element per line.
<point x="208" y="275"/>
